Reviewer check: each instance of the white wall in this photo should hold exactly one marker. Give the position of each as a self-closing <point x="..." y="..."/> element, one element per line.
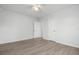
<point x="14" y="27"/>
<point x="63" y="26"/>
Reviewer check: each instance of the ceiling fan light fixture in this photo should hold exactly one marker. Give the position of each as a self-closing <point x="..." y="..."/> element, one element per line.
<point x="36" y="7"/>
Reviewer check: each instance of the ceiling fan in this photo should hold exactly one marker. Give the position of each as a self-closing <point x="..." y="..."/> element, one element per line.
<point x="36" y="7"/>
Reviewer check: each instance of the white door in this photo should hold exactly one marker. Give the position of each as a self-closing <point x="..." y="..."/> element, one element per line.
<point x="37" y="29"/>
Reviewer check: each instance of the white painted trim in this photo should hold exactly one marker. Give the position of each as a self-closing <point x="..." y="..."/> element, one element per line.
<point x="64" y="43"/>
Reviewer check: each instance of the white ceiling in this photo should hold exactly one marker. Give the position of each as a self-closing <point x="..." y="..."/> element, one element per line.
<point x="46" y="9"/>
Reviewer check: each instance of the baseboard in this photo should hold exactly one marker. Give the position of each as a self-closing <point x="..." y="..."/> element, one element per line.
<point x="76" y="46"/>
<point x="43" y="39"/>
<point x="20" y="40"/>
<point x="72" y="45"/>
<point x="38" y="38"/>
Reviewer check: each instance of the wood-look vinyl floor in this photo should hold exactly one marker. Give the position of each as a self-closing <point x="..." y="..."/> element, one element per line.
<point x="37" y="47"/>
